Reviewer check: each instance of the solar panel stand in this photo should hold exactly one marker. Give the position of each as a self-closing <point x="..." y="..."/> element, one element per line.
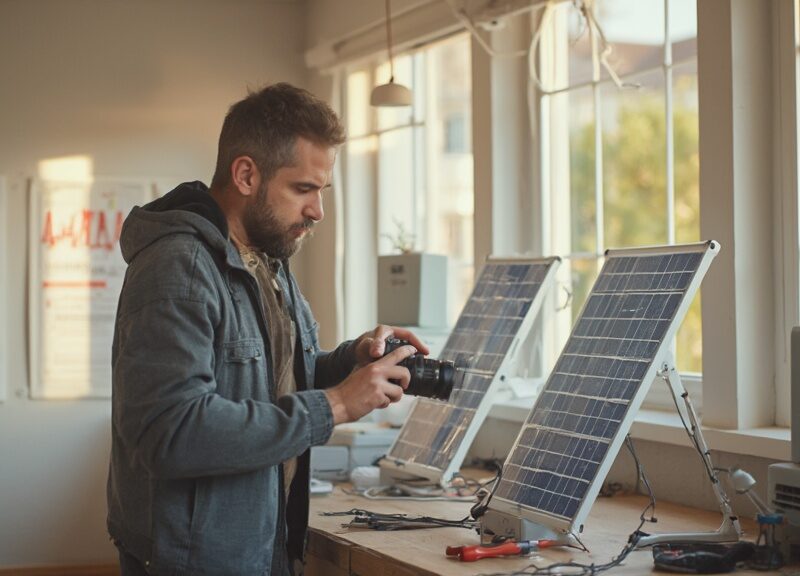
<point x="495" y="523"/>
<point x="729" y="530"/>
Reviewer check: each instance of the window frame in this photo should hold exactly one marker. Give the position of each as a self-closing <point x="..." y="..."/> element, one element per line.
<point x="718" y="22"/>
<point x="360" y="279"/>
<point x="761" y="373"/>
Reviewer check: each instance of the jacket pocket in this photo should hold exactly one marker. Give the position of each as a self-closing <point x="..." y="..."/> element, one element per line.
<point x="234" y="525"/>
<point x="244" y="372"/>
<point x="243" y="351"/>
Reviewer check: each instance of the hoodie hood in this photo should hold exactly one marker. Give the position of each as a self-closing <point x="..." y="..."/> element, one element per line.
<point x="188" y="209"/>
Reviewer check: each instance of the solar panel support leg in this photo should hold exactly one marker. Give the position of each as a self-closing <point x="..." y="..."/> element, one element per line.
<point x="499" y="524"/>
<point x="729" y="530"/>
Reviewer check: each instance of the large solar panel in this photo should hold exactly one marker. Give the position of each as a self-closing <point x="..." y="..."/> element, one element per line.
<point x="579" y="421"/>
<point x="495" y="320"/>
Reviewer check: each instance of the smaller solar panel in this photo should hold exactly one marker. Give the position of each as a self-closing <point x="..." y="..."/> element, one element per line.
<point x="583" y="413"/>
<point x="498" y="312"/>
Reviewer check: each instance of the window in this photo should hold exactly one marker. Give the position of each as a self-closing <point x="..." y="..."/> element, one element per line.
<point x="609" y="167"/>
<point x="622" y="165"/>
<point x="410" y="171"/>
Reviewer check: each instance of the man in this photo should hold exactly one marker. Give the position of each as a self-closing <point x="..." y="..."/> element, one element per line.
<point x="219" y="386"/>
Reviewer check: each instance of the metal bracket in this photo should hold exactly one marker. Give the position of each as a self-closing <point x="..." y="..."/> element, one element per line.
<point x="729" y="530"/>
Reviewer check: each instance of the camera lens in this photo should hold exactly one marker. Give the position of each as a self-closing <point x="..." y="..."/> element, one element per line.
<point x="430" y="378"/>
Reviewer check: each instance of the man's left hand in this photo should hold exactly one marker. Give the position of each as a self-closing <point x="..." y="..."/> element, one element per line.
<point x="371" y="345"/>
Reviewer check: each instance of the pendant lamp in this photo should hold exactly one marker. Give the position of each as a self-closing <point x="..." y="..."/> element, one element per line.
<point x="391" y="94"/>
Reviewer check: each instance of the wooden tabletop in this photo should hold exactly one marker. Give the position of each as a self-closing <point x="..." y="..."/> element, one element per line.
<point x="338" y="551"/>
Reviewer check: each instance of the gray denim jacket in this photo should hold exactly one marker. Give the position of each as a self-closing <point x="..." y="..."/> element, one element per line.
<point x="198" y="437"/>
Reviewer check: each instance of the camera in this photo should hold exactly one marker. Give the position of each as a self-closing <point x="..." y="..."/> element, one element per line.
<point x="430" y="378"/>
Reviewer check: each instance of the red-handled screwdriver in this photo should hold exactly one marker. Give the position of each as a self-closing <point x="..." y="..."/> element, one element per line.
<point x="509" y="548"/>
<point x="457" y="550"/>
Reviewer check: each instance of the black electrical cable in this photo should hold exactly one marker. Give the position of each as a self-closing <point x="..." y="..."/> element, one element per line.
<point x="573" y="568"/>
<point x="642" y="476"/>
<point x="490" y="464"/>
<point x="480" y="508"/>
<point x="475" y="485"/>
<point x="709" y="470"/>
<point x="380" y="521"/>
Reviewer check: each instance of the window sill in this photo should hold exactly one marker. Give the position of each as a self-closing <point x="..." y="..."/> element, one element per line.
<point x="665" y="427"/>
<point x="662" y="426"/>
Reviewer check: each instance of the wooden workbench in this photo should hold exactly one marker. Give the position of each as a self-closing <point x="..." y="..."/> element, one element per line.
<point x="338" y="551"/>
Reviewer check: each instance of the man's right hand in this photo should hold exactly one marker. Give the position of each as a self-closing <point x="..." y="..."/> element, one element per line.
<point x="370" y="387"/>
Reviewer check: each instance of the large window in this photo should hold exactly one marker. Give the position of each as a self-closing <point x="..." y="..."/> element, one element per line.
<point x="622" y="165"/>
<point x="409" y="173"/>
<point x="604" y="166"/>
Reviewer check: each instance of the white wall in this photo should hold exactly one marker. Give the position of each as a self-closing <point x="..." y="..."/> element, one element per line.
<point x="333" y="19"/>
<point x="141" y="88"/>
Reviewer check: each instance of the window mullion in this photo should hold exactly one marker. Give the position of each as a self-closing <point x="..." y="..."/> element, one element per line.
<point x="598" y="149"/>
<point x="376" y="168"/>
<point x="669" y="128"/>
<point x="598" y="174"/>
<point x="419" y="238"/>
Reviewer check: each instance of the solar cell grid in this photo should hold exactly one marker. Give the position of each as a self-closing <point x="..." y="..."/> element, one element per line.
<point x="603" y="365"/>
<point x="478" y="344"/>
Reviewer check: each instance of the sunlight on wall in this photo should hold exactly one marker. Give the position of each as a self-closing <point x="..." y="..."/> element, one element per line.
<point x="358" y="109"/>
<point x="360" y="146"/>
<point x="67" y="168"/>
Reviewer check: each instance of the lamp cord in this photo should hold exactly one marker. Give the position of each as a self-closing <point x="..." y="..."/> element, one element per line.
<point x="389" y="39"/>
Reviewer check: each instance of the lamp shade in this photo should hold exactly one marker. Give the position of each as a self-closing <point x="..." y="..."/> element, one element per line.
<point x="390" y="94"/>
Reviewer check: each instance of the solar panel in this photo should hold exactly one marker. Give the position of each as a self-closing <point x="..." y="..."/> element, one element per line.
<point x="497" y="316"/>
<point x="580" y="419"/>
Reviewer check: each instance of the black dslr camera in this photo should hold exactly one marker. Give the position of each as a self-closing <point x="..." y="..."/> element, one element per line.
<point x="429" y="378"/>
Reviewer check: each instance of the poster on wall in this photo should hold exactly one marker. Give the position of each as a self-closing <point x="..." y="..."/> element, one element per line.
<point x="4" y="343"/>
<point x="76" y="274"/>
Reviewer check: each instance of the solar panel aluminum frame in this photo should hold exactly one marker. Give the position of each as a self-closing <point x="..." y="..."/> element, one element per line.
<point x="394" y="470"/>
<point x="538" y="524"/>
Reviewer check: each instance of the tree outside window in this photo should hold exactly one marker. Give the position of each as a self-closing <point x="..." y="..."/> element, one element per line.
<point x="627" y="159"/>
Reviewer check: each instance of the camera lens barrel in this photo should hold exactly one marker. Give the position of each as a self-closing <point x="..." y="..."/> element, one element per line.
<point x="429" y="378"/>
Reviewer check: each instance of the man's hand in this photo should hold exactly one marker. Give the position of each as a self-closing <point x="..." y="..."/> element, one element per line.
<point x="369" y="387"/>
<point x="371" y="345"/>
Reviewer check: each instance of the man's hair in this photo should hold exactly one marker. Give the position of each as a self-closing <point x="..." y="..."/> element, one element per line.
<point x="266" y="125"/>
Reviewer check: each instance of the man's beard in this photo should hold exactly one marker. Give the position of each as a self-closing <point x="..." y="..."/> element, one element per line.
<point x="265" y="232"/>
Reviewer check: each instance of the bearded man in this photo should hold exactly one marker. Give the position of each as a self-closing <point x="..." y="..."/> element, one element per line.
<point x="219" y="385"/>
